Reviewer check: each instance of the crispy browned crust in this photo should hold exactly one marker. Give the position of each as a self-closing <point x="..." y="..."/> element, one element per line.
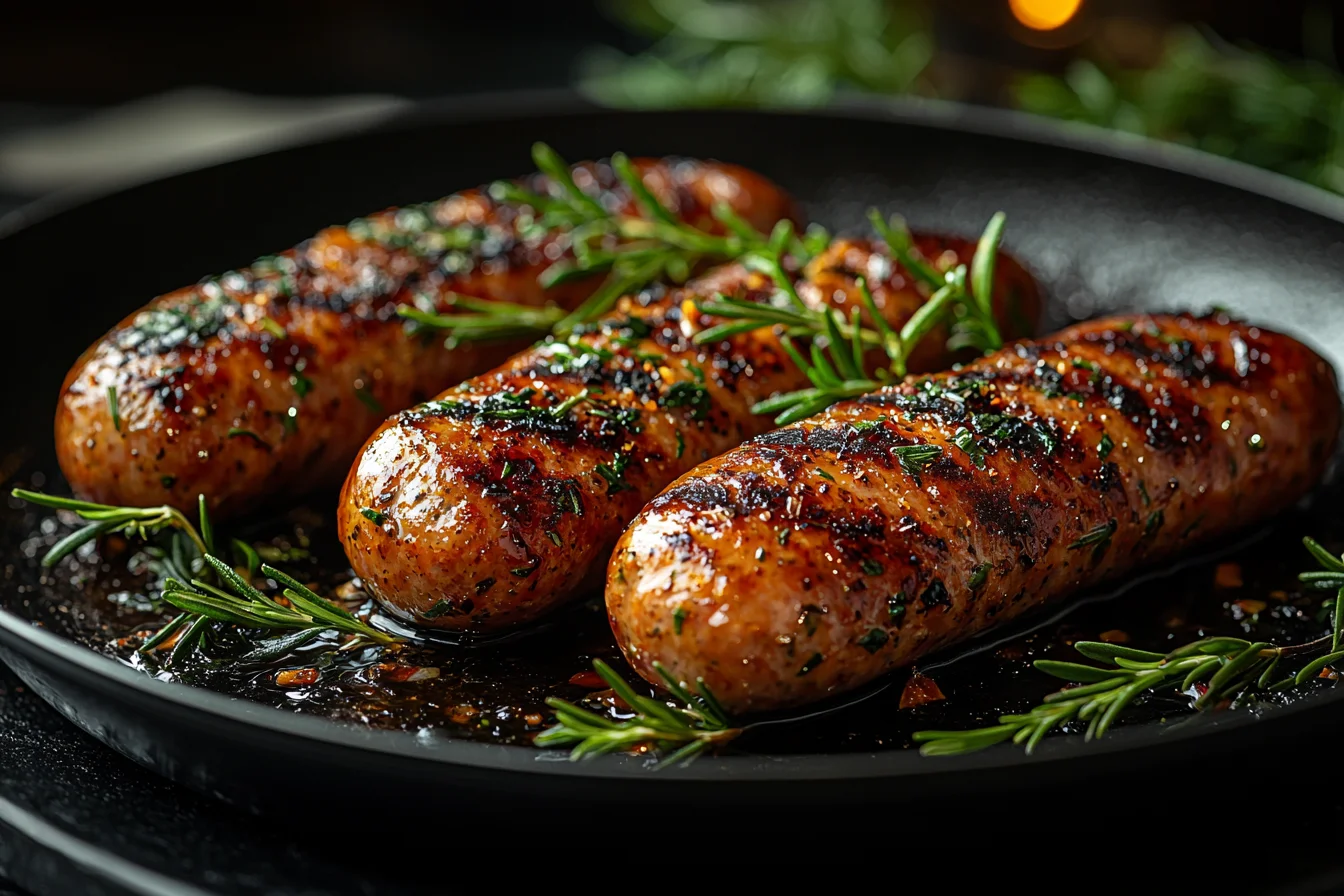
<point x="809" y="561"/>
<point x="264" y="382"/>
<point x="460" y="519"/>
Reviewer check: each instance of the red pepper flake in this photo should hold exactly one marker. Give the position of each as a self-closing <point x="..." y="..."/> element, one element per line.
<point x="920" y="689"/>
<point x="463" y="714"/>
<point x="1227" y="575"/>
<point x="396" y="673"/>
<point x="1114" y="636"/>
<point x="296" y="677"/>
<point x="590" y="680"/>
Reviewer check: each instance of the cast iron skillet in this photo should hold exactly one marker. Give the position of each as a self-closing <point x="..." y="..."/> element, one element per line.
<point x="1103" y="224"/>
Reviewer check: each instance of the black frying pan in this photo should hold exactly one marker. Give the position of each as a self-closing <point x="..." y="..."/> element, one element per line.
<point x="1103" y="223"/>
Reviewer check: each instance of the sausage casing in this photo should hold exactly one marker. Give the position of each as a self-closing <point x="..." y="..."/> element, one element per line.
<point x="265" y="381"/>
<point x="815" y="558"/>
<point x="502" y="498"/>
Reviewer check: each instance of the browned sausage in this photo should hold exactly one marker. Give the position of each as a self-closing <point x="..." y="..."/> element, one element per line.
<point x="813" y="559"/>
<point x="502" y="499"/>
<point x="265" y="381"/>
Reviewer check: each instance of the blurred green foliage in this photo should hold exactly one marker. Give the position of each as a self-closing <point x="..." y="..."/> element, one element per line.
<point x="1287" y="116"/>
<point x="781" y="52"/>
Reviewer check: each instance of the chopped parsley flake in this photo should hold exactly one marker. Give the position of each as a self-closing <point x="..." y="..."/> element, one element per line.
<point x="374" y="516"/>
<point x="874" y="641"/>
<point x="812" y="662"/>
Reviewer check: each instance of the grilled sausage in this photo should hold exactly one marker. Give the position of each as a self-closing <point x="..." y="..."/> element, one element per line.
<point x="815" y="558"/>
<point x="265" y="381"/>
<point x="503" y="498"/>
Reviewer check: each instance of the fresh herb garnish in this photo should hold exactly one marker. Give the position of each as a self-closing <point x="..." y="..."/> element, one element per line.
<point x="367" y="398"/>
<point x="112" y="407"/>
<point x="239" y="433"/>
<point x="914" y="458"/>
<point x="1105" y="446"/>
<point x="272" y="326"/>
<point x="682" y="732"/>
<point x="614" y="472"/>
<point x="1219" y="669"/>
<point x="678" y="619"/>
<point x="961" y="298"/>
<point x="1097" y="536"/>
<point x="631" y="250"/>
<point x="229" y="600"/>
<point x="375" y="516"/>
<point x="686" y="394"/>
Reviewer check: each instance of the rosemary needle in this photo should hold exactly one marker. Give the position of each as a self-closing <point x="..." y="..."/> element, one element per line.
<point x="1217" y="668"/>
<point x="207" y="590"/>
<point x="681" y="732"/>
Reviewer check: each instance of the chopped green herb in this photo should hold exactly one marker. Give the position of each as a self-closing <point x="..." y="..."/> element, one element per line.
<point x="678" y="619"/>
<point x="979" y="576"/>
<point x="914" y="458"/>
<point x="300" y="384"/>
<point x="1155" y="520"/>
<point x="112" y="407"/>
<point x="681" y="444"/>
<point x="1105" y="446"/>
<point x="812" y="662"/>
<point x="290" y="421"/>
<point x="783" y="536"/>
<point x="270" y="325"/>
<point x="507" y="471"/>
<point x="555" y="537"/>
<point x="1084" y="364"/>
<point x="439" y="608"/>
<point x="523" y="571"/>
<point x="689" y="395"/>
<point x="614" y="472"/>
<point x="373" y="515"/>
<point x="896" y="607"/>
<point x="167" y="481"/>
<point x="1143" y="493"/>
<point x="235" y="433"/>
<point x="874" y="641"/>
<point x="367" y="399"/>
<point x="866" y="425"/>
<point x="872" y="568"/>
<point x="964" y="439"/>
<point x="824" y="475"/>
<point x="1098" y="536"/>
<point x="1193" y="526"/>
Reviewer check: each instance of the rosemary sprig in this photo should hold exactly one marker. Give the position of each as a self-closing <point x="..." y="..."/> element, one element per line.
<point x="104" y="519"/>
<point x="1217" y="668"/>
<point x="239" y="603"/>
<point x="217" y="593"/>
<point x="837" y="371"/>
<point x="682" y="732"/>
<point x="632" y="250"/>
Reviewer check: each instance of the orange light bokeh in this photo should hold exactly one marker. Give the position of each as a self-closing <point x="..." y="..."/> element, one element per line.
<point x="1044" y="15"/>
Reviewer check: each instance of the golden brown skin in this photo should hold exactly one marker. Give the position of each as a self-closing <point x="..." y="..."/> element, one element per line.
<point x="264" y="382"/>
<point x="488" y="507"/>
<point x="809" y="561"/>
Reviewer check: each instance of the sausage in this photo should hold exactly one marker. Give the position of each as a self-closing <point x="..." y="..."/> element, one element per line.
<point x="264" y="381"/>
<point x="815" y="558"/>
<point x="502" y="498"/>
